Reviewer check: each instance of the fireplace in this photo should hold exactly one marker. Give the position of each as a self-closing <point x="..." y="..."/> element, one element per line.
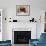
<point x="22" y="37"/>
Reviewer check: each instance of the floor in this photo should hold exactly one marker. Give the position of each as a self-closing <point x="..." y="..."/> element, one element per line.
<point x="20" y="45"/>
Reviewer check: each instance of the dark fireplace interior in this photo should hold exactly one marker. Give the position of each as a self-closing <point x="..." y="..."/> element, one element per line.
<point x="22" y="37"/>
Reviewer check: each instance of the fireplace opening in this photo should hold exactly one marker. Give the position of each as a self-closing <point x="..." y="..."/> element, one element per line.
<point x="22" y="37"/>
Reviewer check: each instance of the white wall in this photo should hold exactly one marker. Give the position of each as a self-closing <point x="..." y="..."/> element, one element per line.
<point x="35" y="3"/>
<point x="4" y="24"/>
<point x="40" y="26"/>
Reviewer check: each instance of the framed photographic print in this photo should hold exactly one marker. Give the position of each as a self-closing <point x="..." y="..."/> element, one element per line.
<point x="22" y="10"/>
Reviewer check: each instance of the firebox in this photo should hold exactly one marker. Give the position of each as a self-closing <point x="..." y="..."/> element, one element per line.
<point x="22" y="37"/>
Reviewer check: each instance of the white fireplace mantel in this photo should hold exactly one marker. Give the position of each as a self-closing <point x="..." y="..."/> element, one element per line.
<point x="21" y="29"/>
<point x="25" y="27"/>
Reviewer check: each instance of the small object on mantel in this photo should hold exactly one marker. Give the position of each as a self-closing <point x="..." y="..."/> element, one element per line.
<point x="5" y="18"/>
<point x="9" y="21"/>
<point x="35" y="21"/>
<point x="14" y="20"/>
<point x="32" y="20"/>
<point x="9" y="18"/>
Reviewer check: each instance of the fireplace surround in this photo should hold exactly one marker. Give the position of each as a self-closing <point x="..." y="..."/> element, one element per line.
<point x="21" y="35"/>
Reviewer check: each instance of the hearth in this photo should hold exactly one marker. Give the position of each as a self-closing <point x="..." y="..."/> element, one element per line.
<point x="22" y="37"/>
